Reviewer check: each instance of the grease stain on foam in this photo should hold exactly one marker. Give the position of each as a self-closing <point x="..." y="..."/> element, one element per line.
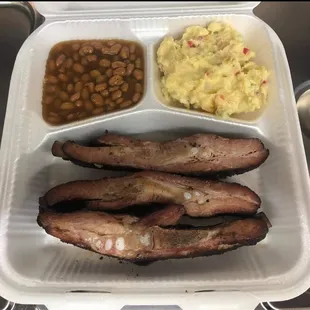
<point x="108" y="245"/>
<point x="146" y="239"/>
<point x="120" y="244"/>
<point x="187" y="195"/>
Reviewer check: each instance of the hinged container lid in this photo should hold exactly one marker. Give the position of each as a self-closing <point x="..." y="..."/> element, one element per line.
<point x="139" y="9"/>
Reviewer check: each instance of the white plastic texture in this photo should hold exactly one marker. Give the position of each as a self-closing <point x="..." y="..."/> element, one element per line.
<point x="39" y="269"/>
<point x="127" y="9"/>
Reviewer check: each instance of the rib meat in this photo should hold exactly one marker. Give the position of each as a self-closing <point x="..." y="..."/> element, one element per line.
<point x="200" y="154"/>
<point x="132" y="239"/>
<point x="199" y="197"/>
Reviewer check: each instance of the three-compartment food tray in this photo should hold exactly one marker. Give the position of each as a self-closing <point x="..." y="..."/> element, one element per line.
<point x="37" y="268"/>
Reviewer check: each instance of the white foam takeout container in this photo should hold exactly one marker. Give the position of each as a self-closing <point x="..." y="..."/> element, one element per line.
<point x="37" y="268"/>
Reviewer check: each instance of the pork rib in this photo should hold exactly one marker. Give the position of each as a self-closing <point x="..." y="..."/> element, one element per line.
<point x="128" y="238"/>
<point x="199" y="197"/>
<point x="200" y="154"/>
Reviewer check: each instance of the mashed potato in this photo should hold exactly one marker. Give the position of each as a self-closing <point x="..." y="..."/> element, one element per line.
<point x="211" y="69"/>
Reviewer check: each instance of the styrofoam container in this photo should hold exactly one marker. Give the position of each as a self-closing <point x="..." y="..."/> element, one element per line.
<point x="37" y="268"/>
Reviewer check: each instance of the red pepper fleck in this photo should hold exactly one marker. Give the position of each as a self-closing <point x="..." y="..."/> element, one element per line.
<point x="245" y="50"/>
<point x="264" y="82"/>
<point x="222" y="97"/>
<point x="191" y="44"/>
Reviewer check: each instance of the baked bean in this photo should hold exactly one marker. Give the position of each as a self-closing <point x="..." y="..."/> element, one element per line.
<point x="70" y="88"/>
<point x="110" y="43"/>
<point x="105" y="50"/>
<point x="62" y="68"/>
<point x="71" y="116"/>
<point x="110" y="107"/>
<point x="78" y="86"/>
<point x="54" y="119"/>
<point x="97" y="111"/>
<point x="79" y="103"/>
<point x="117" y="64"/>
<point x="84" y="83"/>
<point x="64" y="113"/>
<point x="138" y="74"/>
<point x="119" y="71"/>
<point x="51" y="64"/>
<point x="76" y="46"/>
<point x="94" y="73"/>
<point x="69" y="63"/>
<point x="138" y="88"/>
<point x="67" y="106"/>
<point x="108" y="101"/>
<point x="75" y="97"/>
<point x="116" y="94"/>
<point x="132" y="48"/>
<point x="101" y="87"/>
<point x="124" y="53"/>
<point x="91" y="86"/>
<point x="78" y="68"/>
<point x="51" y="79"/>
<point x="114" y="88"/>
<point x="86" y="50"/>
<point x="60" y="59"/>
<point x="136" y="97"/>
<point x="50" y="88"/>
<point x="129" y="69"/>
<point x="100" y="79"/>
<point x="97" y="99"/>
<point x="52" y="114"/>
<point x="97" y="45"/>
<point x="57" y="104"/>
<point x="116" y="80"/>
<point x="109" y="73"/>
<point x="62" y="77"/>
<point x="70" y="75"/>
<point x="85" y="93"/>
<point x="91" y="58"/>
<point x="105" y="63"/>
<point x="125" y="87"/>
<point x="125" y="104"/>
<point x="105" y="93"/>
<point x="88" y="105"/>
<point x="138" y="63"/>
<point x="81" y="114"/>
<point x="63" y="96"/>
<point x="84" y="61"/>
<point x="114" y="49"/>
<point x="48" y="100"/>
<point x="76" y="57"/>
<point x="119" y="100"/>
<point x="85" y="77"/>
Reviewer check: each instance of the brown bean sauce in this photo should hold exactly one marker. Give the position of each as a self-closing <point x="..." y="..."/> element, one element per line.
<point x="87" y="78"/>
